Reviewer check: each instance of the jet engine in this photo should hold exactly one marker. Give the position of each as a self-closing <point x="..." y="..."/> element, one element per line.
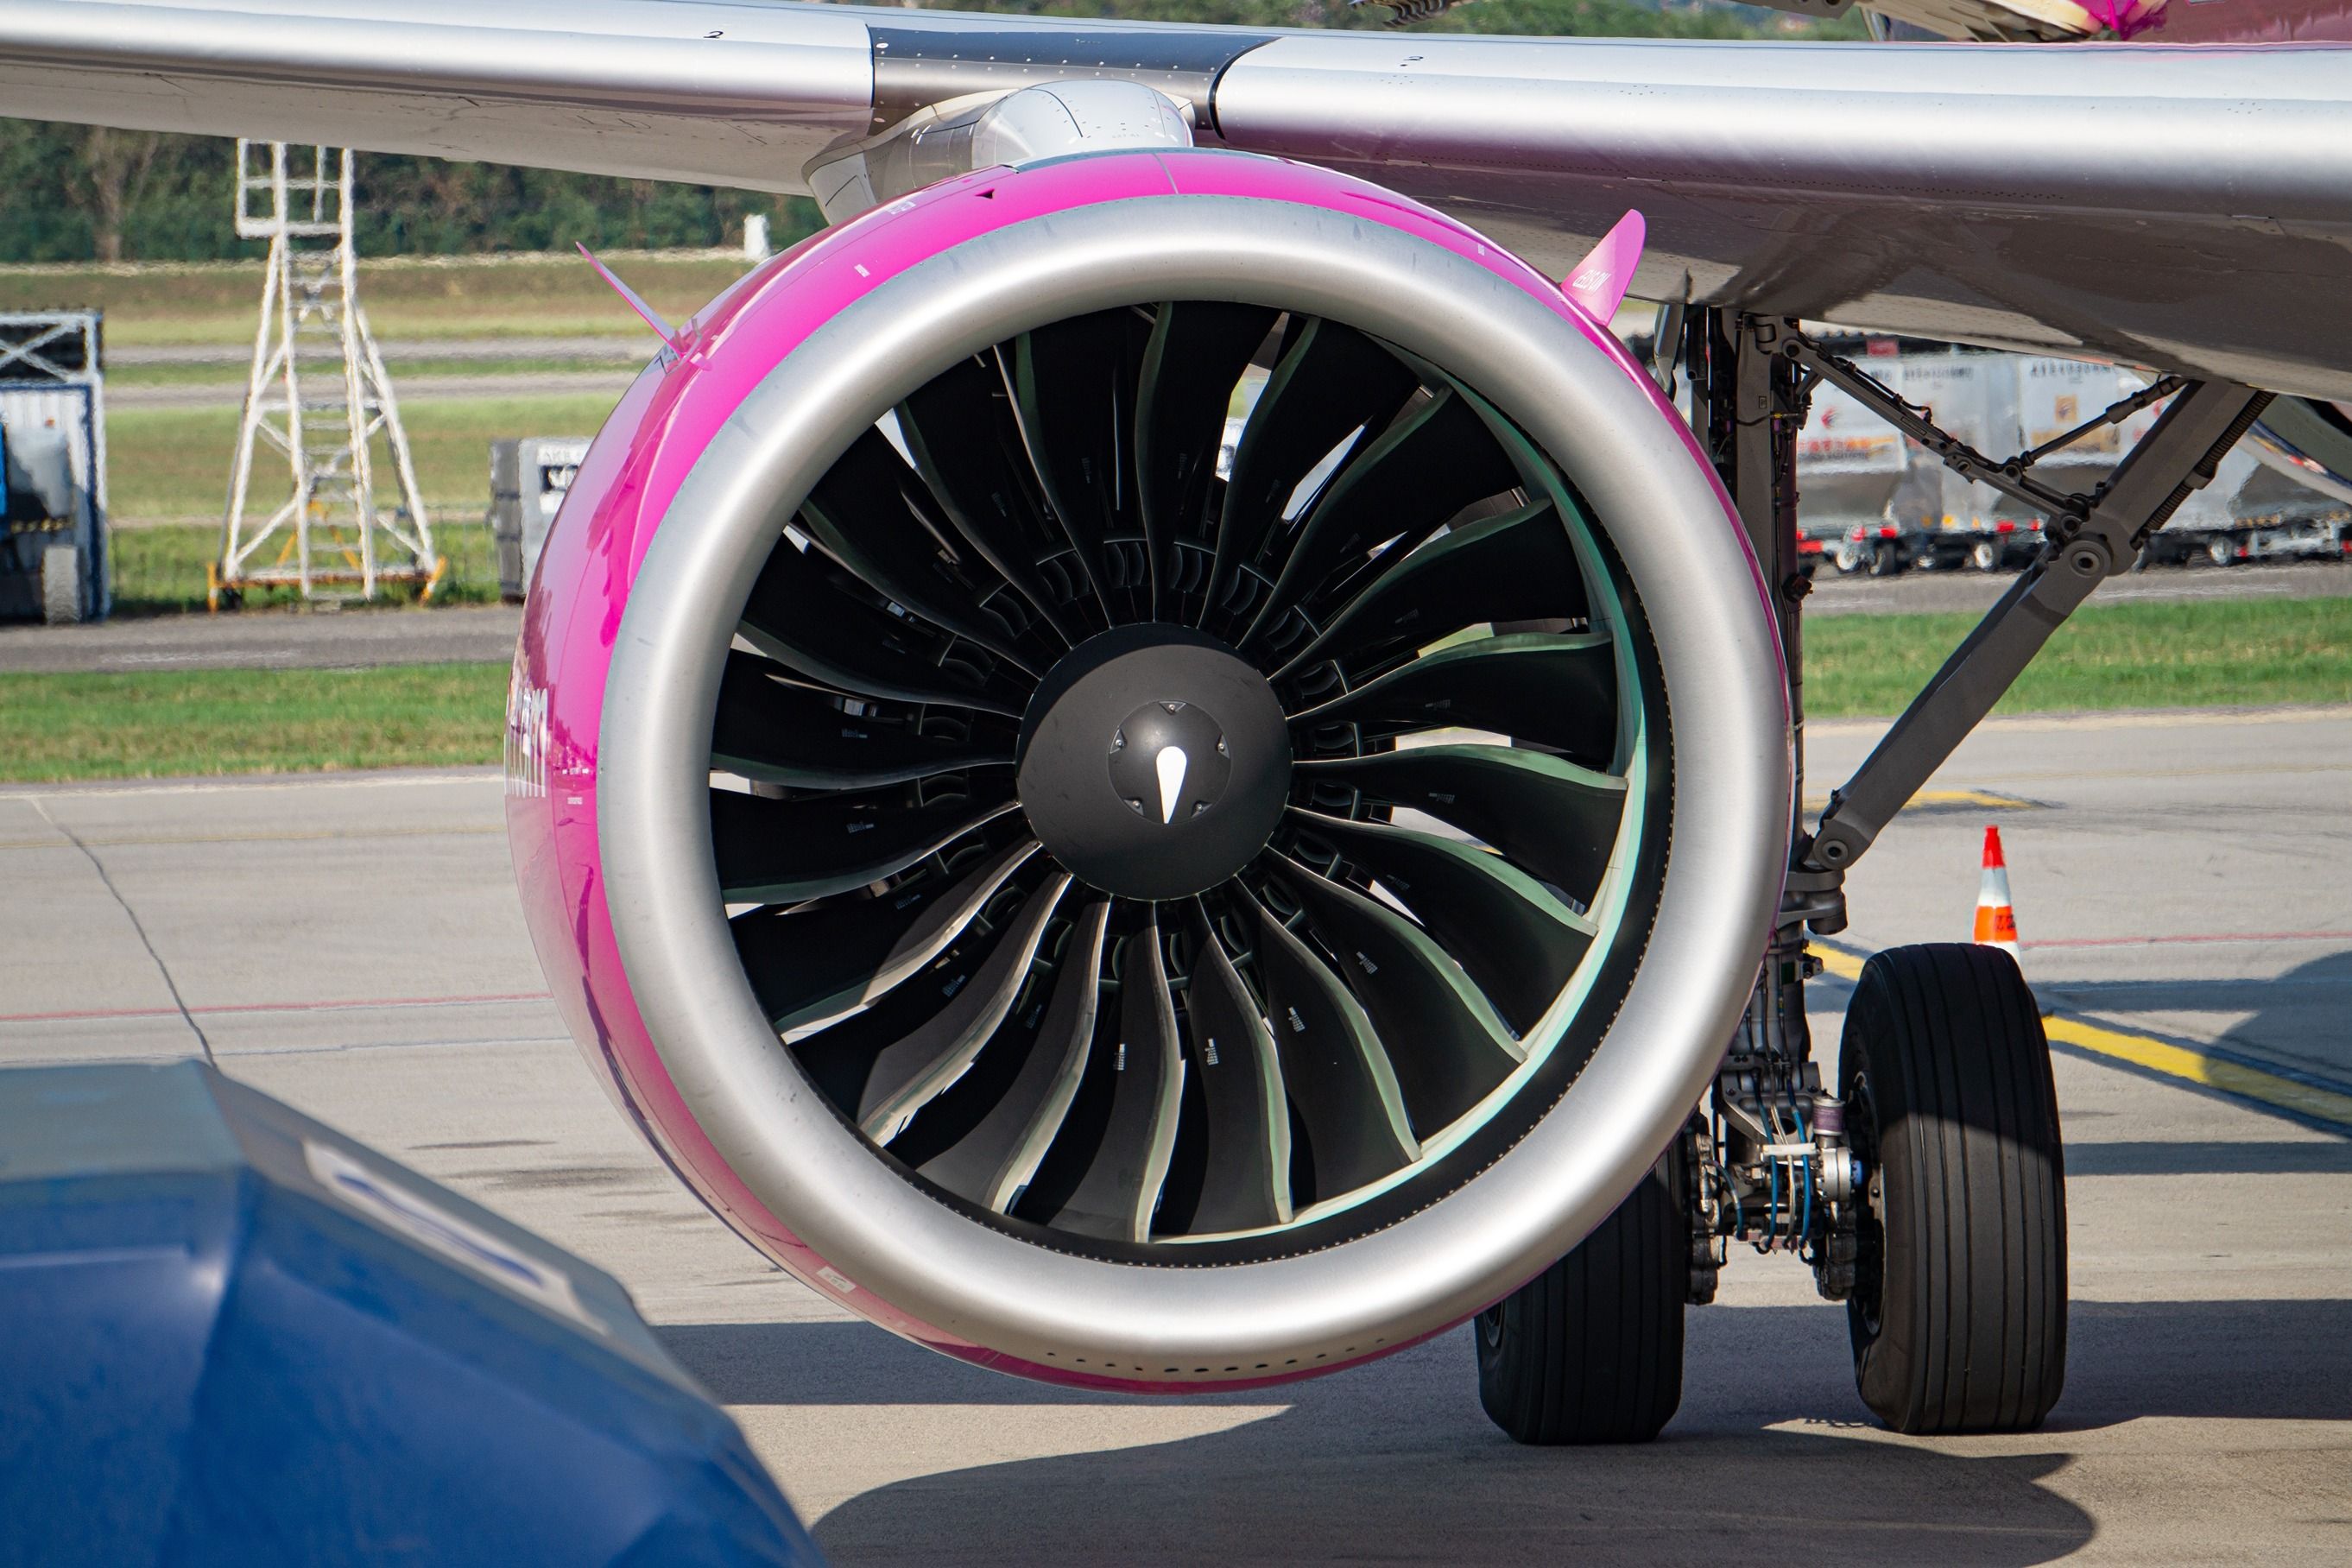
<point x="1160" y="770"/>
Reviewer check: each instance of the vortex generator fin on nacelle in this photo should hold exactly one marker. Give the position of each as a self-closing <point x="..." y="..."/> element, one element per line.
<point x="1160" y="770"/>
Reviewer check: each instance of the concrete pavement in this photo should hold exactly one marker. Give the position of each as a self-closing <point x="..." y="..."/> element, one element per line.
<point x="353" y="945"/>
<point x="337" y="639"/>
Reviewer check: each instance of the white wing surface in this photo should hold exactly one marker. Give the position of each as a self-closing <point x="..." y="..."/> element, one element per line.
<point x="2189" y="209"/>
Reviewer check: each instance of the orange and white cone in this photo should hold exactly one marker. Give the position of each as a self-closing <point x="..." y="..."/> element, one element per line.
<point x="1996" y="918"/>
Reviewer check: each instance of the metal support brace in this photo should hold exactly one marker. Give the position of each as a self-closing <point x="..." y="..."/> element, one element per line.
<point x="2090" y="539"/>
<point x="2009" y="476"/>
<point x="1757" y="455"/>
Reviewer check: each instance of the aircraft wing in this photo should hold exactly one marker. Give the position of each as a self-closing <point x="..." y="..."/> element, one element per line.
<point x="2188" y="209"/>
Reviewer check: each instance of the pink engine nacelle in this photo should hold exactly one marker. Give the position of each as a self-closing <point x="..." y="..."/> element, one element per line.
<point x="617" y="503"/>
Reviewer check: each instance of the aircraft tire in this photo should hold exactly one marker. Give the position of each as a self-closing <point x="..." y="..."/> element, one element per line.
<point x="1590" y="1351"/>
<point x="1959" y="1314"/>
<point x="61" y="585"/>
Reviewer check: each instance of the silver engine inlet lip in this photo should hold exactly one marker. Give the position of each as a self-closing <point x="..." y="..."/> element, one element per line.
<point x="1718" y="663"/>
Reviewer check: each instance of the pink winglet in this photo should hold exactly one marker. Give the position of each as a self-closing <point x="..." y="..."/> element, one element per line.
<point x="1601" y="279"/>
<point x="661" y="328"/>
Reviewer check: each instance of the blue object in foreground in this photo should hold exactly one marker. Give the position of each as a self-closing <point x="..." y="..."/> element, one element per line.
<point x="230" y="1335"/>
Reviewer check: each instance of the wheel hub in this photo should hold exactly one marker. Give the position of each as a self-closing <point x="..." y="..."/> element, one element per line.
<point x="1154" y="762"/>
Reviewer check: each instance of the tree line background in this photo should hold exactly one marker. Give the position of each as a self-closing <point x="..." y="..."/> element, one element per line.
<point x="77" y="193"/>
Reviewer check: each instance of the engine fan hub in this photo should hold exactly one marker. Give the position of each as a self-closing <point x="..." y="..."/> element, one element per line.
<point x="1154" y="762"/>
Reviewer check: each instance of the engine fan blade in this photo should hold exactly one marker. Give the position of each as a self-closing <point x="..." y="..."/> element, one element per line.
<point x="910" y="1072"/>
<point x="1120" y="1189"/>
<point x="874" y="512"/>
<point x="1245" y="1182"/>
<point x="1422" y="471"/>
<point x="867" y="512"/>
<point x="780" y="732"/>
<point x="1332" y="381"/>
<point x="1557" y="691"/>
<point x="1338" y="1078"/>
<point x="1074" y="385"/>
<point x="815" y="961"/>
<point x="1517" y="567"/>
<point x="1196" y="356"/>
<point x="967" y="445"/>
<point x="1450" y="1048"/>
<point x="1519" y="944"/>
<point x="839" y="1057"/>
<point x="1547" y="816"/>
<point x="993" y="1163"/>
<point x="800" y="618"/>
<point x="783" y="851"/>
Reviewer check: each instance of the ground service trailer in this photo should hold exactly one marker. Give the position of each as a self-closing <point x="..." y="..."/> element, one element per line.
<point x="53" y="527"/>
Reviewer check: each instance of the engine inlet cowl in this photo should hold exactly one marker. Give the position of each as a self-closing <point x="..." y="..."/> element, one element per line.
<point x="1152" y="787"/>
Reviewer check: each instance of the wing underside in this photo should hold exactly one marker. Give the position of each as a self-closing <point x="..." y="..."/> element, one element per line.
<point x="2188" y="209"/>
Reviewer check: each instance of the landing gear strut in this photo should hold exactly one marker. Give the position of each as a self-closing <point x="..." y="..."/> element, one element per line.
<point x="1927" y="1194"/>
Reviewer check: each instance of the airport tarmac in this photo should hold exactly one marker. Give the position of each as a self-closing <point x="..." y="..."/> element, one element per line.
<point x="271" y="639"/>
<point x="352" y="945"/>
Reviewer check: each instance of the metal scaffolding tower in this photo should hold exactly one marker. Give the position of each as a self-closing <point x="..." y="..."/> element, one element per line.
<point x="318" y="399"/>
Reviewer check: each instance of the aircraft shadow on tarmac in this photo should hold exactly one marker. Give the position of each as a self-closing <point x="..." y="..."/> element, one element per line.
<point x="2161" y="1158"/>
<point x="1396" y="1462"/>
<point x="2295" y="1018"/>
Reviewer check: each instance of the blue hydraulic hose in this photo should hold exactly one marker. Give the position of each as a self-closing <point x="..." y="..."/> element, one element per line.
<point x="1806" y="1226"/>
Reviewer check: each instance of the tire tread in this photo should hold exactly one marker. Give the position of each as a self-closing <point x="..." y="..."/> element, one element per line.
<point x="1590" y="1351"/>
<point x="1971" y="1331"/>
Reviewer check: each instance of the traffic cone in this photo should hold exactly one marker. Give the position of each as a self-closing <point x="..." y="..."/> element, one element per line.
<point x="1996" y="918"/>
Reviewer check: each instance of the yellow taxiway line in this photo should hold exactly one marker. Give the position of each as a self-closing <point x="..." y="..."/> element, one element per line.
<point x="2150" y="1055"/>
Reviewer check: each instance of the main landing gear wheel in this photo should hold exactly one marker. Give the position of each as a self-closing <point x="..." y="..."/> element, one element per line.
<point x="1959" y="1312"/>
<point x="1590" y="1351"/>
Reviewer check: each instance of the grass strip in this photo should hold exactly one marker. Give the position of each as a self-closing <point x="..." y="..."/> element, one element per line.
<point x="160" y="570"/>
<point x="2210" y="653"/>
<point x="166" y="723"/>
<point x="172" y="723"/>
<point x="174" y="462"/>
<point x="163" y="570"/>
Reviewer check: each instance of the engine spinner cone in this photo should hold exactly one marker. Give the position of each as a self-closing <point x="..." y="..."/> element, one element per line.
<point x="1154" y="762"/>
